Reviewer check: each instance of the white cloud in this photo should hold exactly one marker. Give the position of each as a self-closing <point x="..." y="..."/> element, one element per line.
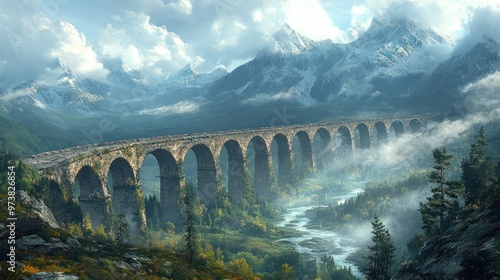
<point x="183" y="7"/>
<point x="144" y="46"/>
<point x="265" y="98"/>
<point x="11" y="95"/>
<point x="445" y="16"/>
<point x="257" y="15"/>
<point x="361" y="18"/>
<point x="72" y="47"/>
<point x="31" y="43"/>
<point x="311" y="19"/>
<point x="482" y="104"/>
<point x="483" y="22"/>
<point x="484" y="95"/>
<point x="161" y="36"/>
<point x="183" y="107"/>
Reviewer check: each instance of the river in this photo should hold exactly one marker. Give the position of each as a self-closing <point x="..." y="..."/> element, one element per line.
<point x="319" y="242"/>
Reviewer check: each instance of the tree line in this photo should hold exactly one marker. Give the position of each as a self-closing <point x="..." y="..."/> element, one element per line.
<point x="451" y="201"/>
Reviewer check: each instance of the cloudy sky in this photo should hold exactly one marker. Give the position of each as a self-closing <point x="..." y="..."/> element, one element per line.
<point x="158" y="37"/>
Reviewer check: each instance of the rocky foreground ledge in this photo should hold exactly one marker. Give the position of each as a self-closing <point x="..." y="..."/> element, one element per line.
<point x="45" y="251"/>
<point x="472" y="245"/>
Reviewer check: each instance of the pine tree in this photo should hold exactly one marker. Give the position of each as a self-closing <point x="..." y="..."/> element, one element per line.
<point x="381" y="253"/>
<point x="122" y="229"/>
<point x="477" y="173"/>
<point x="191" y="235"/>
<point x="442" y="206"/>
<point x="326" y="267"/>
<point x="152" y="206"/>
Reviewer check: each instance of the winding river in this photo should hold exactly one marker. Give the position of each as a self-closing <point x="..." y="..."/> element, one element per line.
<point x="319" y="242"/>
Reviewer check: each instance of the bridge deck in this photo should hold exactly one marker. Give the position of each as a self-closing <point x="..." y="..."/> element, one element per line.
<point x="53" y="158"/>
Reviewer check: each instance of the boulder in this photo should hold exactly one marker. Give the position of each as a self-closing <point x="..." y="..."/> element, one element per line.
<point x="38" y="208"/>
<point x="35" y="216"/>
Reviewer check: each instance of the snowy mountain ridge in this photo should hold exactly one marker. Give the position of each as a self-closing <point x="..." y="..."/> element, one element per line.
<point x="312" y="72"/>
<point x="289" y="42"/>
<point x="394" y="59"/>
<point x="190" y="76"/>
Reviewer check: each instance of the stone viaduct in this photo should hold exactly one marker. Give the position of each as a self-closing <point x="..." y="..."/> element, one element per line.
<point x="86" y="170"/>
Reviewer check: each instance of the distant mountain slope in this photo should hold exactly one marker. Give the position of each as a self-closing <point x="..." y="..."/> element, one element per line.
<point x="308" y="72"/>
<point x="444" y="84"/>
<point x="25" y="134"/>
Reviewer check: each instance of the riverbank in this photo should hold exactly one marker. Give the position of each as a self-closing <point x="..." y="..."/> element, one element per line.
<point x="320" y="242"/>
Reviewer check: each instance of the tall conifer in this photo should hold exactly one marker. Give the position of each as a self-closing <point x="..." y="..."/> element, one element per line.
<point x="381" y="253"/>
<point x="442" y="206"/>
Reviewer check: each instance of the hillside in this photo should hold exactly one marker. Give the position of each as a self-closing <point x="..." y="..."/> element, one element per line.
<point x="468" y="250"/>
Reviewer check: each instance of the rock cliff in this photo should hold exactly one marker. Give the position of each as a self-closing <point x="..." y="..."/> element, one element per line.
<point x="468" y="250"/>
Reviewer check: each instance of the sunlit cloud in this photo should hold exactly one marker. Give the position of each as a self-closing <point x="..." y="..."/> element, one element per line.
<point x="159" y="37"/>
<point x="183" y="107"/>
<point x="34" y="43"/>
<point x="144" y="46"/>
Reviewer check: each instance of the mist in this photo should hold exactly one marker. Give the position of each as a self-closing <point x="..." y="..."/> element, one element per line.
<point x="389" y="162"/>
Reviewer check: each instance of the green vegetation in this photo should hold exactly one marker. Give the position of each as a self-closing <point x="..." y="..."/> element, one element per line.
<point x="443" y="206"/>
<point x="107" y="260"/>
<point x="377" y="199"/>
<point x="458" y="192"/>
<point x="243" y="235"/>
<point x="478" y="174"/>
<point x="477" y="266"/>
<point x="381" y="253"/>
<point x="285" y="272"/>
<point x="192" y="237"/>
<point x="152" y="207"/>
<point x="479" y="186"/>
<point x="25" y="134"/>
<point x="328" y="270"/>
<point x="121" y="229"/>
<point x="482" y="184"/>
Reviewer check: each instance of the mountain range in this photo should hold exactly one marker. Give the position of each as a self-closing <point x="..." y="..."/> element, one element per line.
<point x="396" y="67"/>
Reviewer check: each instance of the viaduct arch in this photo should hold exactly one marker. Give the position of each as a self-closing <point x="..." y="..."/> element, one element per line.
<point x="106" y="177"/>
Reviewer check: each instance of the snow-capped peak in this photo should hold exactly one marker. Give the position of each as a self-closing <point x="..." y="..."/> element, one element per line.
<point x="289" y="41"/>
<point x="188" y="70"/>
<point x="217" y="73"/>
<point x="396" y="43"/>
<point x="122" y="76"/>
<point x="61" y="65"/>
<point x="389" y="29"/>
<point x="190" y="76"/>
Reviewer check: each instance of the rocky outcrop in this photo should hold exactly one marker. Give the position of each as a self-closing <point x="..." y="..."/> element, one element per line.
<point x="34" y="243"/>
<point x="35" y="216"/>
<point x="471" y="247"/>
<point x="131" y="262"/>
